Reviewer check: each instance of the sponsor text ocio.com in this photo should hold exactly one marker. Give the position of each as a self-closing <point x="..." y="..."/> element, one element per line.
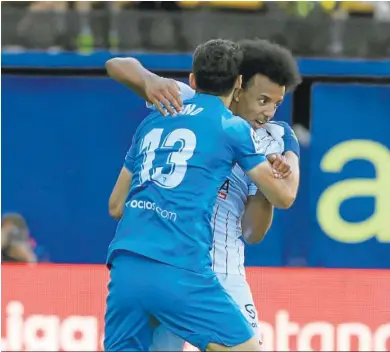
<point x="151" y="206"/>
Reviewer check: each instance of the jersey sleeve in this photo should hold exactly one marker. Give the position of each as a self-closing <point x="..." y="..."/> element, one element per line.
<point x="244" y="143"/>
<point x="130" y="156"/>
<point x="290" y="139"/>
<point x="282" y="131"/>
<point x="186" y="92"/>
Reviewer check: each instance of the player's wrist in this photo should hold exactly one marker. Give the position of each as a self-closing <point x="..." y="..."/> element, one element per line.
<point x="149" y="79"/>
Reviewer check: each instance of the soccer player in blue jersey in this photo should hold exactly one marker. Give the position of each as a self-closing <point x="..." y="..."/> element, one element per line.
<point x="159" y="258"/>
<point x="241" y="211"/>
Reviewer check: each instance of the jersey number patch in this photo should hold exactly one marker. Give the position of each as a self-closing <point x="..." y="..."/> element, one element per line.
<point x="176" y="162"/>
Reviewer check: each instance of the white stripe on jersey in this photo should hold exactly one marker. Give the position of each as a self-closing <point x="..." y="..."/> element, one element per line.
<point x="228" y="249"/>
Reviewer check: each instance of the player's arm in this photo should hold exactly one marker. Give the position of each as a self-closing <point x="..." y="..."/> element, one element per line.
<point x="288" y="164"/>
<point x="119" y="194"/>
<point x="154" y="89"/>
<point x="257" y="218"/>
<point x="121" y="189"/>
<point x="258" y="214"/>
<point x="280" y="192"/>
<point x="293" y="179"/>
<point x="246" y="147"/>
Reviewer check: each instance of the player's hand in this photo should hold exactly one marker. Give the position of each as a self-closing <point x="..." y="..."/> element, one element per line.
<point x="163" y="93"/>
<point x="280" y="166"/>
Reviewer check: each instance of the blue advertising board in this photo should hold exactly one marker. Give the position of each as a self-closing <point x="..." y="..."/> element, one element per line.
<point x="183" y="62"/>
<point x="64" y="139"/>
<point x="350" y="176"/>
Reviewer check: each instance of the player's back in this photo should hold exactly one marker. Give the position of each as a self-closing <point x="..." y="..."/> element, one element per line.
<point x="179" y="165"/>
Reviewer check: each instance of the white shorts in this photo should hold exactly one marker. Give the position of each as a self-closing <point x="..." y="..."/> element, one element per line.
<point x="238" y="288"/>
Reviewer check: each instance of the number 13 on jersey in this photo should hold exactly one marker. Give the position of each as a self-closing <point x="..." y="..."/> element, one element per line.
<point x="176" y="160"/>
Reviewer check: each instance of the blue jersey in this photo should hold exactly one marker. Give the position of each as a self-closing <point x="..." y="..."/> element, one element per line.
<point x="178" y="165"/>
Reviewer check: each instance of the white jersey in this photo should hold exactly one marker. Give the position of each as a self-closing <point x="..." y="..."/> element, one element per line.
<point x="228" y="249"/>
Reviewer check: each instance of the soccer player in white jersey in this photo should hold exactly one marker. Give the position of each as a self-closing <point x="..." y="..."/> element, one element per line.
<point x="241" y="211"/>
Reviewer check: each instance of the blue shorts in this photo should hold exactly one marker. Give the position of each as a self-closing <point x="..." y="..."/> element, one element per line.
<point x="193" y="306"/>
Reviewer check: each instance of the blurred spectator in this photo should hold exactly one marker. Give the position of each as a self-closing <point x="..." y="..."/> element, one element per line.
<point x="15" y="240"/>
<point x="305" y="29"/>
<point x="360" y="28"/>
<point x="145" y="22"/>
<point x="241" y="6"/>
<point x="308" y="28"/>
<point x="100" y="24"/>
<point x="40" y="24"/>
<point x="70" y="27"/>
<point x="12" y="13"/>
<point x="298" y="8"/>
<point x="382" y="11"/>
<point x="40" y="28"/>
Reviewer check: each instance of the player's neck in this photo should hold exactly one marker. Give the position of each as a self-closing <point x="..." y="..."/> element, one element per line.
<point x="227" y="100"/>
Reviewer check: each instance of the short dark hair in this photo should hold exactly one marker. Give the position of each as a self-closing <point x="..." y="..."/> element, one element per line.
<point x="216" y="66"/>
<point x="271" y="60"/>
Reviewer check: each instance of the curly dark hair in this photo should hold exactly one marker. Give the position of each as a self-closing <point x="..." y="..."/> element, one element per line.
<point x="271" y="60"/>
<point x="216" y="66"/>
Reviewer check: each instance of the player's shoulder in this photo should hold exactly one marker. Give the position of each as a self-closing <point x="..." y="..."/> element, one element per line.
<point x="236" y="127"/>
<point x="282" y="125"/>
<point x="233" y="122"/>
<point x="279" y="128"/>
<point x="239" y="131"/>
<point x="147" y="123"/>
<point x="186" y="92"/>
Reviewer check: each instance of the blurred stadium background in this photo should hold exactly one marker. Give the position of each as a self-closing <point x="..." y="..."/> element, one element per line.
<point x="321" y="278"/>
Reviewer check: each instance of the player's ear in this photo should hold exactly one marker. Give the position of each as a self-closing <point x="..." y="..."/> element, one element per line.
<point x="192" y="81"/>
<point x="236" y="95"/>
<point x="238" y="82"/>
